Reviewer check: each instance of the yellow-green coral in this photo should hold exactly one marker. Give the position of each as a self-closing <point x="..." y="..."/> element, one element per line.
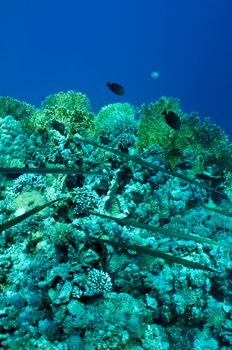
<point x="153" y="129"/>
<point x="207" y="140"/>
<point x="110" y="110"/>
<point x="18" y="109"/>
<point x="70" y="100"/>
<point x="115" y="124"/>
<point x="114" y="114"/>
<point x="69" y="109"/>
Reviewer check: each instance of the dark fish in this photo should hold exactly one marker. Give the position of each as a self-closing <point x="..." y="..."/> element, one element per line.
<point x="172" y="119"/>
<point x="216" y="180"/>
<point x="204" y="177"/>
<point x="116" y="88"/>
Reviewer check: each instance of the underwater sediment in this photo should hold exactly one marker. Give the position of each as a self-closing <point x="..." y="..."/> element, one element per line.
<point x="115" y="227"/>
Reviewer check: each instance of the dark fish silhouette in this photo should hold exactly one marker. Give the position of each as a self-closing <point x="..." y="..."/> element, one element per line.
<point x="204" y="177"/>
<point x="116" y="88"/>
<point x="172" y="119"/>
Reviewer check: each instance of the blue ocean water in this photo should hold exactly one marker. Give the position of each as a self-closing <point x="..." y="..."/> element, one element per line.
<point x="51" y="46"/>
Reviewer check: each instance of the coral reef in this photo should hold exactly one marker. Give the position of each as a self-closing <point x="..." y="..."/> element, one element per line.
<point x="65" y="112"/>
<point x="18" y="109"/>
<point x="115" y="125"/>
<point x="207" y="142"/>
<point x="106" y="246"/>
<point x="17" y="149"/>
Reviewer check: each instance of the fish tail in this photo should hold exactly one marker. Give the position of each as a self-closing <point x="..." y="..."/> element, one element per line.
<point x="164" y="112"/>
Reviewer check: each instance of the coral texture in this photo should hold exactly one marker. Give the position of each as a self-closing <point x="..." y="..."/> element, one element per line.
<point x="118" y="251"/>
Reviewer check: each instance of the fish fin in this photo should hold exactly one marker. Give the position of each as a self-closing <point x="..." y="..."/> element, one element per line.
<point x="164" y="112"/>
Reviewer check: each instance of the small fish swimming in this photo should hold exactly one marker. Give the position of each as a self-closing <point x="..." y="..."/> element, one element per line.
<point x="172" y="119"/>
<point x="155" y="75"/>
<point x="116" y="88"/>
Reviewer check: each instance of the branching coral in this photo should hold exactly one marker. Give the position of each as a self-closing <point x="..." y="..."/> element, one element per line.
<point x="128" y="258"/>
<point x="84" y="199"/>
<point x="98" y="282"/>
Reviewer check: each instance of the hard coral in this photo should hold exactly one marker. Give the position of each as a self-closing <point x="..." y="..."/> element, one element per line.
<point x="84" y="199"/>
<point x="82" y="248"/>
<point x="115" y="120"/>
<point x="62" y="233"/>
<point x="152" y="127"/>
<point x="18" y="109"/>
<point x="27" y="182"/>
<point x="16" y="148"/>
<point x="70" y="100"/>
<point x="98" y="282"/>
<point x="207" y="140"/>
<point x="66" y="112"/>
